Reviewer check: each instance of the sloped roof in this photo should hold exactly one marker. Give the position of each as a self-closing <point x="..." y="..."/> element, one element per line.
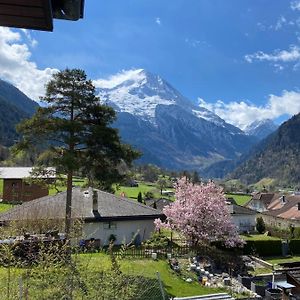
<point x="241" y="210"/>
<point x="264" y="198"/>
<point x="160" y="203"/>
<point x="23" y="172"/>
<point x="109" y="207"/>
<point x="287" y="210"/>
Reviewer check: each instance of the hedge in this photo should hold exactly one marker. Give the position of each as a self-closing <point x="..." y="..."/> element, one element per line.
<point x="294" y="246"/>
<point x="263" y="248"/>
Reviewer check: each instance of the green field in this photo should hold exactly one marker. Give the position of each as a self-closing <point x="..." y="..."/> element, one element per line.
<point x="132" y="192"/>
<point x="259" y="237"/>
<point x="239" y="199"/>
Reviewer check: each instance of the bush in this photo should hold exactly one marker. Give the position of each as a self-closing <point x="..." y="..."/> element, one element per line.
<point x="263" y="248"/>
<point x="260" y="225"/>
<point x="294" y="246"/>
<point x="157" y="240"/>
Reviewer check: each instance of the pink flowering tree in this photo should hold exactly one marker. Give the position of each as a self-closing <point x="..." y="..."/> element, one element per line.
<point x="201" y="214"/>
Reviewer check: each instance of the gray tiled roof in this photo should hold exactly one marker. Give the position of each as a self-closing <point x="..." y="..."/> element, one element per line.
<point x="241" y="210"/>
<point x="53" y="207"/>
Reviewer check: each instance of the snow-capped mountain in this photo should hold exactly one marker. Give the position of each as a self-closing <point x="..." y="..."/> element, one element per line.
<point x="170" y="130"/>
<point x="261" y="129"/>
<point x="138" y="92"/>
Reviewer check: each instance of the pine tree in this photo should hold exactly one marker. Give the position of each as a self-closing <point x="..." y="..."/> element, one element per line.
<point x="140" y="198"/>
<point x="260" y="225"/>
<point x="74" y="129"/>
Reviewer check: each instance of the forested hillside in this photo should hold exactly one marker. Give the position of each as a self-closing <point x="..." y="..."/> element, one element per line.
<point x="277" y="157"/>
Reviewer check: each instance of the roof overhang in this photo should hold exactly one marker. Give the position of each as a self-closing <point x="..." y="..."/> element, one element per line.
<point x="38" y="14"/>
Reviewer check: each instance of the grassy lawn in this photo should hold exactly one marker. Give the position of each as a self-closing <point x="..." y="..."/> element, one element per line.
<point x="258" y="237"/>
<point x="1" y="188"/>
<point x="77" y="181"/>
<point x="173" y="284"/>
<point x="279" y="260"/>
<point x="99" y="262"/>
<point x="132" y="192"/>
<point x="239" y="199"/>
<point x="5" y="206"/>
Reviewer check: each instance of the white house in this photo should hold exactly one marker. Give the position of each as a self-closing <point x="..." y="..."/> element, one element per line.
<point x="103" y="215"/>
<point x="243" y="217"/>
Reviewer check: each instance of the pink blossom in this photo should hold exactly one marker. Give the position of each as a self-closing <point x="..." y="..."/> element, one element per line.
<point x="200" y="213"/>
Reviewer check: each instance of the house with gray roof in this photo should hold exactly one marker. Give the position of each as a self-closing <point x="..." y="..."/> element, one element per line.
<point x="102" y="215"/>
<point x="244" y="218"/>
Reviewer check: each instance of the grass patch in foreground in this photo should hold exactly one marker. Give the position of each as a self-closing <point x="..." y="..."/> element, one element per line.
<point x="279" y="260"/>
<point x="174" y="285"/>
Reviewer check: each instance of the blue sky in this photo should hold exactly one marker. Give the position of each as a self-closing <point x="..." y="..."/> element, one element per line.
<point x="240" y="59"/>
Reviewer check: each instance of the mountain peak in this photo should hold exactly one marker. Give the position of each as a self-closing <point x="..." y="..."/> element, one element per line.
<point x="261" y="128"/>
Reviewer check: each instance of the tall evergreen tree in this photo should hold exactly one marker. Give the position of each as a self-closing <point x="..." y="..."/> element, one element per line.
<point x="75" y="131"/>
<point x="139" y="197"/>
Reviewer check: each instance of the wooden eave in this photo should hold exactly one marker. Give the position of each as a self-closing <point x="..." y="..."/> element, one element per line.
<point x="29" y="14"/>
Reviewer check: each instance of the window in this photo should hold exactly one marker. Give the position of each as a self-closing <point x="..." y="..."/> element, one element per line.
<point x="110" y="225"/>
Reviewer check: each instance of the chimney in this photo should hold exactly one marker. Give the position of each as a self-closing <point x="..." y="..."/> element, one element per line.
<point x="298" y="205"/>
<point x="95" y="201"/>
<point x="283" y="200"/>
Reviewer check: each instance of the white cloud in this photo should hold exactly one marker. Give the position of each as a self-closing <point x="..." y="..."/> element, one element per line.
<point x="244" y="113"/>
<point x="280" y="23"/>
<point x="33" y="42"/>
<point x="115" y="80"/>
<point x="158" y="21"/>
<point x="295" y="5"/>
<point x="16" y="65"/>
<point x="277" y="58"/>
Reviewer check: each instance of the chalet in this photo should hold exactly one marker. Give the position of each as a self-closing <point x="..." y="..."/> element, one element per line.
<point x="38" y="14"/>
<point x="16" y="187"/>
<point x="102" y="214"/>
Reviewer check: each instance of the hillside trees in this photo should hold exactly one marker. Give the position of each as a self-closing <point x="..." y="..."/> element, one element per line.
<point x="74" y="129"/>
<point x="200" y="213"/>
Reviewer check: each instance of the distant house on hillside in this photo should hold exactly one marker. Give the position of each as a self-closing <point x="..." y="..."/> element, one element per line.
<point x="158" y="203"/>
<point x="16" y="189"/>
<point x="260" y="201"/>
<point x="283" y="212"/>
<point x="103" y="215"/>
<point x="243" y="217"/>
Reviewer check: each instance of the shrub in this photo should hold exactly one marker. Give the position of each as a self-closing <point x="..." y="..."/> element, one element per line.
<point x="294" y="246"/>
<point x="263" y="247"/>
<point x="260" y="225"/>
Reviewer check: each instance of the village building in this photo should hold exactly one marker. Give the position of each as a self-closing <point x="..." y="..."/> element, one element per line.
<point x="260" y="201"/>
<point x="104" y="216"/>
<point x="17" y="188"/>
<point x="283" y="212"/>
<point x="243" y="218"/>
<point x="158" y="203"/>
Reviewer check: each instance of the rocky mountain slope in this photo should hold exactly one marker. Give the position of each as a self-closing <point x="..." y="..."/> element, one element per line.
<point x="169" y="129"/>
<point x="261" y="129"/>
<point x="14" y="106"/>
<point x="277" y="156"/>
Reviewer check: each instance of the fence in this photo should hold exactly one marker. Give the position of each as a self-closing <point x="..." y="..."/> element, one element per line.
<point x="146" y="252"/>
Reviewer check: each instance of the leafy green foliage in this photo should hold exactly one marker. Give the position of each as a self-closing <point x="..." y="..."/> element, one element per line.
<point x="260" y="225"/>
<point x="263" y="247"/>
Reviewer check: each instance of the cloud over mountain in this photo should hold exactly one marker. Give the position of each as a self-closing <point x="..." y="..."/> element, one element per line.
<point x="17" y="66"/>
